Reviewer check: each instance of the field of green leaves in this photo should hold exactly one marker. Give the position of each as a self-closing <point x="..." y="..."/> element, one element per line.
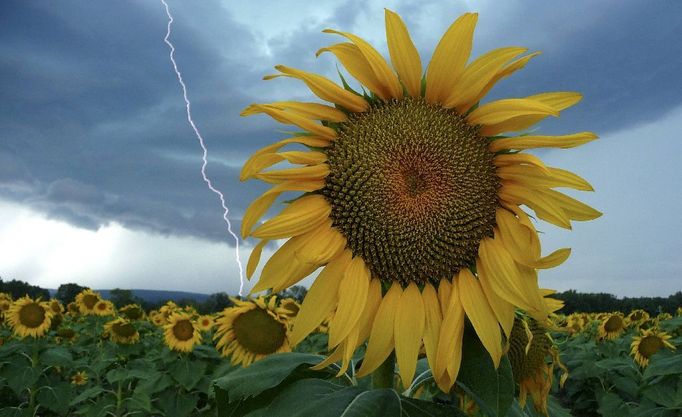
<point x="607" y="365"/>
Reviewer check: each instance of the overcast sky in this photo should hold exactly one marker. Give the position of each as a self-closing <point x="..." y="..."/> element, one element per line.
<point x="99" y="168"/>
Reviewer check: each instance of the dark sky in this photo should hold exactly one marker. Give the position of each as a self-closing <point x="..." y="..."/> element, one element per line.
<point x="94" y="134"/>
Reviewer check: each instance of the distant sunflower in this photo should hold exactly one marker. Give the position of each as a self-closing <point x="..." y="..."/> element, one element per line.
<point x="290" y="307"/>
<point x="56" y="306"/>
<point x="532" y="355"/>
<point x="644" y="346"/>
<point x="72" y="308"/>
<point x="104" y="308"/>
<point x="158" y="318"/>
<point x="79" y="378"/>
<point x="132" y="312"/>
<point x="122" y="331"/>
<point x="412" y="200"/>
<point x="180" y="333"/>
<point x="636" y="317"/>
<point x="251" y="330"/>
<point x="66" y="333"/>
<point x="612" y="325"/>
<point x="86" y="301"/>
<point x="205" y="323"/>
<point x="29" y="317"/>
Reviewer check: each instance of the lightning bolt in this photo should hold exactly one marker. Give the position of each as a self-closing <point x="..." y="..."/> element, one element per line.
<point x="204" y="157"/>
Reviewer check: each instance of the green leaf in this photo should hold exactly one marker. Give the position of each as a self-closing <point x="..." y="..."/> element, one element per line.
<point x="89" y="393"/>
<point x="266" y="373"/>
<point x="155" y="382"/>
<point x="417" y="408"/>
<point x="188" y="373"/>
<point x="332" y="403"/>
<point x="664" y="363"/>
<point x="55" y="397"/>
<point x="139" y="401"/>
<point x="492" y="389"/>
<point x="611" y="405"/>
<point x="20" y="376"/>
<point x="175" y="404"/>
<point x="662" y="393"/>
<point x="299" y="395"/>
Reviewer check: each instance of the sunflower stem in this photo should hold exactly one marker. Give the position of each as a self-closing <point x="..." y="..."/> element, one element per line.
<point x="382" y="377"/>
<point x="34" y="364"/>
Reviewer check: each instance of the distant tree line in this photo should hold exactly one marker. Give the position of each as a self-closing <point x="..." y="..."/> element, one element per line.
<point x="600" y="302"/>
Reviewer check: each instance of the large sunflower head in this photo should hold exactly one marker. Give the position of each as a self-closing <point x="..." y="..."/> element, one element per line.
<point x="180" y="333"/>
<point x="29" y="317"/>
<point x="132" y="312"/>
<point x="121" y="331"/>
<point x="251" y="330"/>
<point x="412" y="200"/>
<point x="647" y="343"/>
<point x="611" y="326"/>
<point x="86" y="301"/>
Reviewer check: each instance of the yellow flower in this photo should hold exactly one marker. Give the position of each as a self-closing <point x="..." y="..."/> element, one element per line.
<point x="251" y="330"/>
<point x="66" y="333"/>
<point x="205" y="323"/>
<point x="132" y="312"/>
<point x="636" y="317"/>
<point x="79" y="378"/>
<point x="180" y="333"/>
<point x="29" y="317"/>
<point x="412" y="201"/>
<point x="56" y="306"/>
<point x="612" y="325"/>
<point x="86" y="301"/>
<point x="290" y="307"/>
<point x="532" y="355"/>
<point x="122" y="331"/>
<point x="104" y="308"/>
<point x="644" y="346"/>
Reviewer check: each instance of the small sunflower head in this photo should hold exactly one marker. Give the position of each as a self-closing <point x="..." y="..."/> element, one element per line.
<point x="66" y="333"/>
<point x="79" y="378"/>
<point x="612" y="325"/>
<point x="290" y="307"/>
<point x="132" y="312"/>
<point x="251" y="330"/>
<point x="104" y="308"/>
<point x="647" y="344"/>
<point x="29" y="317"/>
<point x="86" y="300"/>
<point x="205" y="323"/>
<point x="180" y="333"/>
<point x="636" y="317"/>
<point x="121" y="331"/>
<point x="56" y="306"/>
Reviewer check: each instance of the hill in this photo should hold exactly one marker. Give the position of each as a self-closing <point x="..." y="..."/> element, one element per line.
<point x="155" y="296"/>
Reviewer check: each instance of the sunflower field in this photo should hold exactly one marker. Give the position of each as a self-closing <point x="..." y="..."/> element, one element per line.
<point x="92" y="359"/>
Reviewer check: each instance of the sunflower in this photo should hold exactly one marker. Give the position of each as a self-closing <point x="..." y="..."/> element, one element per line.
<point x="530" y="347"/>
<point x="251" y="330"/>
<point x="636" y="317"/>
<point x="65" y="333"/>
<point x="121" y="331"/>
<point x="79" y="378"/>
<point x="104" y="308"/>
<point x="649" y="342"/>
<point x="291" y="307"/>
<point x="158" y="318"/>
<point x="72" y="308"/>
<point x="180" y="333"/>
<point x="611" y="326"/>
<point x="86" y="301"/>
<point x="56" y="306"/>
<point x="205" y="323"/>
<point x="132" y="312"/>
<point x="412" y="200"/>
<point x="29" y="317"/>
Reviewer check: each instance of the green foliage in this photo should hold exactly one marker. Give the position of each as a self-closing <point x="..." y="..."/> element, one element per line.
<point x="599" y="302"/>
<point x="67" y="293"/>
<point x="20" y="289"/>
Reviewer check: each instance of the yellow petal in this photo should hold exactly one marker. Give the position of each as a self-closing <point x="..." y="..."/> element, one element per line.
<point x="449" y="353"/>
<point x="249" y="169"/>
<point x="356" y="64"/>
<point x="314" y="111"/>
<point x="505" y="72"/>
<point x="336" y="356"/>
<point x="404" y="55"/>
<point x="480" y="314"/>
<point x="534" y="177"/>
<point x="501" y="111"/>
<point x="504" y="311"/>
<point x="381" y="70"/>
<point x="280" y="261"/>
<point x="352" y="299"/>
<point x="433" y="318"/>
<point x="507" y="159"/>
<point x="444" y="290"/>
<point x="477" y="75"/>
<point x="408" y="331"/>
<point x="381" y="338"/>
<point x="297" y="218"/>
<point x="321" y="299"/>
<point x="449" y="58"/>
<point x="304" y="157"/>
<point x="254" y="258"/>
<point x="544" y="208"/>
<point x="371" y="307"/>
<point x="505" y="277"/>
<point x="294" y="118"/>
<point x="260" y="205"/>
<point x="573" y="208"/>
<point x="308" y="173"/>
<point x="560" y="100"/>
<point x="531" y="142"/>
<point x="324" y="89"/>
